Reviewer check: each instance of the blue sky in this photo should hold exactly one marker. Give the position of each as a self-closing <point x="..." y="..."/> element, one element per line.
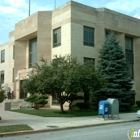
<point x="13" y="11"/>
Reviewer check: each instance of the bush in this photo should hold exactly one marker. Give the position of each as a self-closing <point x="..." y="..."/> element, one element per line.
<point x="138" y="103"/>
<point x="84" y="105"/>
<point x="38" y="100"/>
<point x="31" y="98"/>
<point x="2" y="95"/>
<point x="72" y="98"/>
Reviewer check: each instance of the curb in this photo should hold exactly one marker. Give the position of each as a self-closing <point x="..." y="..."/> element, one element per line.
<point x="61" y="128"/>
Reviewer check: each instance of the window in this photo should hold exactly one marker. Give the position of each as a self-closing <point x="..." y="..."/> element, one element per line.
<point x="88" y="36"/>
<point x="2" y="56"/>
<point x="2" y="77"/>
<point x="55" y="102"/>
<point x="13" y="51"/>
<point x="57" y="37"/>
<point x="129" y="54"/>
<point x="13" y="75"/>
<point x="32" y="52"/>
<point x="22" y="93"/>
<point x="107" y="33"/>
<point x="89" y="61"/>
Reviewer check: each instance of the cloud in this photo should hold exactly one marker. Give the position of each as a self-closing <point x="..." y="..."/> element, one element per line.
<point x="137" y="15"/>
<point x="13" y="11"/>
<point x="16" y="3"/>
<point x="125" y="5"/>
<point x="35" y="7"/>
<point x="8" y="9"/>
<point x="128" y="7"/>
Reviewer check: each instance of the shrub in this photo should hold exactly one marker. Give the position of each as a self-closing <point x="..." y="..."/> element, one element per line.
<point x="2" y="95"/>
<point x="84" y="105"/>
<point x="38" y="100"/>
<point x="138" y="103"/>
<point x="72" y="98"/>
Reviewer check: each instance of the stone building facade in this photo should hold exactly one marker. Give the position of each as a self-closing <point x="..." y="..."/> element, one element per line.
<point x="74" y="29"/>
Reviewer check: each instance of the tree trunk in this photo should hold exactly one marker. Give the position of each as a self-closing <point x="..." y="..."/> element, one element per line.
<point x="61" y="107"/>
<point x="86" y="94"/>
<point x="70" y="106"/>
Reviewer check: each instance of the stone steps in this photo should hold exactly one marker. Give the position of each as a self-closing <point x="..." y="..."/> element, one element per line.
<point x="17" y="103"/>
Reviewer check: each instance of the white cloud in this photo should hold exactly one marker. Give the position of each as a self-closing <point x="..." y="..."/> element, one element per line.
<point x="16" y="3"/>
<point x="7" y="9"/>
<point x="13" y="11"/>
<point x="137" y="15"/>
<point x="125" y="5"/>
<point x="34" y="7"/>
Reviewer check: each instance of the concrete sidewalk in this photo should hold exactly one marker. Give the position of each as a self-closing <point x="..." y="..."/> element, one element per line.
<point x="40" y="124"/>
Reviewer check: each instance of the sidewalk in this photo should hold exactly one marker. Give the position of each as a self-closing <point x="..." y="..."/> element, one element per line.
<point x="40" y="124"/>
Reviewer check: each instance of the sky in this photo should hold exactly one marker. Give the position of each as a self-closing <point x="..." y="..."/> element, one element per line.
<point x="13" y="11"/>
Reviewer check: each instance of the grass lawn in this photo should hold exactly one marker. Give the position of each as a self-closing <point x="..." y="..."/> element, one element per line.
<point x="56" y="113"/>
<point x="134" y="109"/>
<point x="13" y="128"/>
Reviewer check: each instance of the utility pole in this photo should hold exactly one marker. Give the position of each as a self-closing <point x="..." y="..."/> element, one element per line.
<point x="29" y="7"/>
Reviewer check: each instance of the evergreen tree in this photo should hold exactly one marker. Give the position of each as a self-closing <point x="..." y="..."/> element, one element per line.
<point x="113" y="67"/>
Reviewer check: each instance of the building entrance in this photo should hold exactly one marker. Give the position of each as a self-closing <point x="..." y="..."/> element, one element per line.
<point x="22" y="92"/>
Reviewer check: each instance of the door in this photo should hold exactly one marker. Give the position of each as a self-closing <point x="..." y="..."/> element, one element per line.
<point x="22" y="92"/>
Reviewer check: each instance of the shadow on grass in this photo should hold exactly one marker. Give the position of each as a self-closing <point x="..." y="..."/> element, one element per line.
<point x="56" y="113"/>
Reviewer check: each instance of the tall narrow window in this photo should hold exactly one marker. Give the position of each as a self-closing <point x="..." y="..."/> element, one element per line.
<point x="55" y="102"/>
<point x="107" y="33"/>
<point x="32" y="52"/>
<point x="57" y="37"/>
<point x="129" y="54"/>
<point x="13" y="75"/>
<point x="88" y="36"/>
<point x="2" y="56"/>
<point x="2" y="77"/>
<point x="13" y="51"/>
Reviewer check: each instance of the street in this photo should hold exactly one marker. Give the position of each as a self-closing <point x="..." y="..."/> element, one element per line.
<point x="102" y="132"/>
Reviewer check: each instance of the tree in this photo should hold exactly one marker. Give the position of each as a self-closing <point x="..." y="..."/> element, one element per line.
<point x="113" y="67"/>
<point x="61" y="78"/>
<point x="56" y="79"/>
<point x="38" y="100"/>
<point x="2" y="95"/>
<point x="91" y="80"/>
<point x="72" y="98"/>
<point x="31" y="84"/>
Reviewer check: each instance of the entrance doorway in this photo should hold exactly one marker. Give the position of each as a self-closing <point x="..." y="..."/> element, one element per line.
<point x="22" y="92"/>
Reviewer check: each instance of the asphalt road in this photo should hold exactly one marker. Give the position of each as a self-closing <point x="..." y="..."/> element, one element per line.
<point x="104" y="132"/>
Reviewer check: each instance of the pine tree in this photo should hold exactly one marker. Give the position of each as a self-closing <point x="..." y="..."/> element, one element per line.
<point x="113" y="67"/>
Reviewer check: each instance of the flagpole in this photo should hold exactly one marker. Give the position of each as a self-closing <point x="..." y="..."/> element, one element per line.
<point x="29" y="7"/>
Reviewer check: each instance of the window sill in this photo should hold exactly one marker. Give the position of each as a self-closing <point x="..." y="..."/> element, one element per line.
<point x="89" y="46"/>
<point x="56" y="46"/>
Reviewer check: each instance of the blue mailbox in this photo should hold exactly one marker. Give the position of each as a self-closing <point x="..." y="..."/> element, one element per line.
<point x="103" y="108"/>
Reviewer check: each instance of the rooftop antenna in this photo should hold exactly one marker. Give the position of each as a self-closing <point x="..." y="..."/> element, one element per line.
<point x="29" y="7"/>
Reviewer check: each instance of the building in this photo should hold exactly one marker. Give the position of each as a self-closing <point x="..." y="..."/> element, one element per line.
<point x="74" y="29"/>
